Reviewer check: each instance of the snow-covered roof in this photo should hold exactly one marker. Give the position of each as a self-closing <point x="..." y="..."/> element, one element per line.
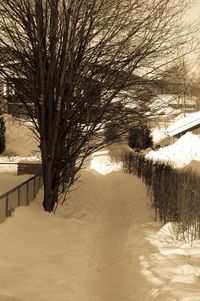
<point x="184" y="124"/>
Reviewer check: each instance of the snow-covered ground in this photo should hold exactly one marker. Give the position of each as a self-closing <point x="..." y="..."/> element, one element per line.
<point x="102" y="245"/>
<point x="9" y="181"/>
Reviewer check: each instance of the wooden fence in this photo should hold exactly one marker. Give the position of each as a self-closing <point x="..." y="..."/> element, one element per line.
<point x="21" y="168"/>
<point x="21" y="195"/>
<point x="174" y="193"/>
<point x="29" y="168"/>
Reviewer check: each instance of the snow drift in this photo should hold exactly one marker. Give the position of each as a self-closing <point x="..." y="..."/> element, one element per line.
<point x="179" y="154"/>
<point x="102" y="163"/>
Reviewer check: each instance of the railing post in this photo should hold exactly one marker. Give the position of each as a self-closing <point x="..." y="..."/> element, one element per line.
<point x="34" y="183"/>
<point x="19" y="195"/>
<point x="27" y="193"/>
<point x="7" y="200"/>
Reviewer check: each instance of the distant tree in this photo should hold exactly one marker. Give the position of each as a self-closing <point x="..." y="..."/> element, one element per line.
<point x="177" y="82"/>
<point x="73" y="58"/>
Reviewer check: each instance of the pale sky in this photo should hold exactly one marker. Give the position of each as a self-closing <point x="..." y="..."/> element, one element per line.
<point x="193" y="15"/>
<point x="194" y="12"/>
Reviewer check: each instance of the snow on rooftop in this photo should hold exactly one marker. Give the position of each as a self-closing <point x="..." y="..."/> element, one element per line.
<point x="179" y="154"/>
<point x="168" y="104"/>
<point x="183" y="124"/>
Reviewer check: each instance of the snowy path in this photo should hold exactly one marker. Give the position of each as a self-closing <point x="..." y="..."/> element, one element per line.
<point x="108" y="276"/>
<point x="120" y="207"/>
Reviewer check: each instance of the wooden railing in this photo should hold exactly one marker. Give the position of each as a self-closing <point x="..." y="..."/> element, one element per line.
<point x="20" y="195"/>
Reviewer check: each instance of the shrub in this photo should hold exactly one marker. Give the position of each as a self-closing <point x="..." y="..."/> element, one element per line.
<point x="140" y="138"/>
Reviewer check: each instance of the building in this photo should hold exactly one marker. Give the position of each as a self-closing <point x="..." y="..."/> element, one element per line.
<point x="189" y="123"/>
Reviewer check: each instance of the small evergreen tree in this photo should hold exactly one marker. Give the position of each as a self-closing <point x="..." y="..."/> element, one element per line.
<point x="140" y="137"/>
<point x="2" y="134"/>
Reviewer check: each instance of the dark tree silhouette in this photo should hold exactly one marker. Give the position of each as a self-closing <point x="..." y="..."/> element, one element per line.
<point x="67" y="62"/>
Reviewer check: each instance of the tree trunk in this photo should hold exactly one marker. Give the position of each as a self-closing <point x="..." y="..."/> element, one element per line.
<point x="50" y="192"/>
<point x="51" y="180"/>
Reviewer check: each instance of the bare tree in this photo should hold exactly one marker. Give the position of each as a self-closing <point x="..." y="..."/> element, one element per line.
<point x="68" y="60"/>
